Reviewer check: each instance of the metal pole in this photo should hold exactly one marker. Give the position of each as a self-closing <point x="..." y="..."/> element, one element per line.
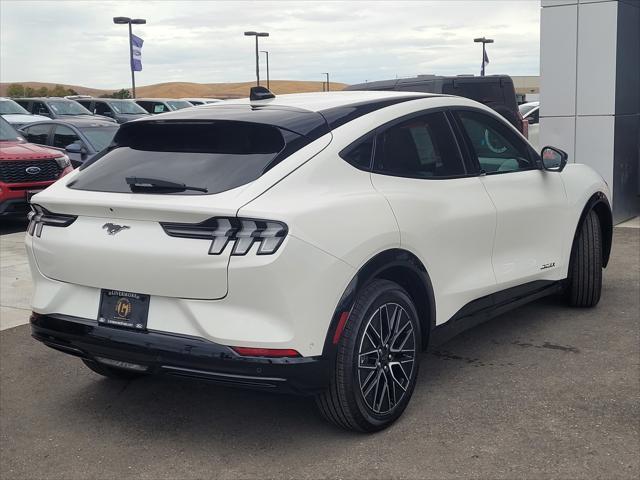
<point x="133" y="78"/>
<point x="328" y="82"/>
<point x="267" y="53"/>
<point x="483" y="55"/>
<point x="257" y="64"/>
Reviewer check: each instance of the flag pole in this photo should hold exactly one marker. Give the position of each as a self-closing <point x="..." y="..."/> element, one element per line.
<point x="133" y="77"/>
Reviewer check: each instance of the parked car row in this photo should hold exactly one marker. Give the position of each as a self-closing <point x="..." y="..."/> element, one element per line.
<point x="21" y="111"/>
<point x="43" y="138"/>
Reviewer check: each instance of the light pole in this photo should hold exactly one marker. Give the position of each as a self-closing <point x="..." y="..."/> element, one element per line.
<point x="267" y="54"/>
<point x="483" y="41"/>
<point x="257" y="34"/>
<point x="130" y="21"/>
<point x="327" y="74"/>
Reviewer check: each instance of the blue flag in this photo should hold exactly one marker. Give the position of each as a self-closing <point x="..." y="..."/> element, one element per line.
<point x="136" y="48"/>
<point x="485" y="59"/>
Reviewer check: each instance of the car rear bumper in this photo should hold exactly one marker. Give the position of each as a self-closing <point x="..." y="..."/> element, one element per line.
<point x="178" y="355"/>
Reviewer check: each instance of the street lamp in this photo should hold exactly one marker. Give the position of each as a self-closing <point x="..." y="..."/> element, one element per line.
<point x="257" y="34"/>
<point x="130" y="21"/>
<point x="483" y="41"/>
<point x="267" y="54"/>
<point x="327" y="74"/>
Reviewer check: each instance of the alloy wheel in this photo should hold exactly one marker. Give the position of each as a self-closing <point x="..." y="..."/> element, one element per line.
<point x="386" y="358"/>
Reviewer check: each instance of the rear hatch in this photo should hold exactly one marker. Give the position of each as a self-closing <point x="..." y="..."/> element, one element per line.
<point x="116" y="239"/>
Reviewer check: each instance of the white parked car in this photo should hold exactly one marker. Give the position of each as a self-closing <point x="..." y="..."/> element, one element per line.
<point x="16" y="115"/>
<point x="309" y="243"/>
<point x="531" y="113"/>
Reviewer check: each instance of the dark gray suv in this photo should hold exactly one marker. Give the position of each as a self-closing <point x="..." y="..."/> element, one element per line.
<point x="121" y="110"/>
<point x="58" y="108"/>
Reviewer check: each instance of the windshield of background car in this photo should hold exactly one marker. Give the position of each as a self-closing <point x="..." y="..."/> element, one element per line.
<point x="526" y="108"/>
<point x="486" y="92"/>
<point x="126" y="107"/>
<point x="7" y="132"/>
<point x="216" y="155"/>
<point x="99" y="137"/>
<point x="61" y="107"/>
<point x="9" y="107"/>
<point x="178" y="104"/>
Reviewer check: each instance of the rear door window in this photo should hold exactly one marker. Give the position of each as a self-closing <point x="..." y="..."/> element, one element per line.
<point x="422" y="147"/>
<point x="63" y="136"/>
<point x="101" y="108"/>
<point x="38" y="133"/>
<point x="160" y="108"/>
<point x="212" y="155"/>
<point x="39" y="108"/>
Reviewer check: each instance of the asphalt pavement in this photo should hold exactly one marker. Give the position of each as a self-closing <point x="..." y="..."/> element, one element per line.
<point x="545" y="391"/>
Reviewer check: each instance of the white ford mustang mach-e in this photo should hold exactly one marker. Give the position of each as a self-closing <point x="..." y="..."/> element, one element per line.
<point x="309" y="243"/>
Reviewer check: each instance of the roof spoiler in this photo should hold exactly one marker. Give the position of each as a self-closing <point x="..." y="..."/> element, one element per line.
<point x="260" y="93"/>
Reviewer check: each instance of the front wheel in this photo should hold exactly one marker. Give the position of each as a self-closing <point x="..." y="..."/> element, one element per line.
<point x="585" y="269"/>
<point x="377" y="360"/>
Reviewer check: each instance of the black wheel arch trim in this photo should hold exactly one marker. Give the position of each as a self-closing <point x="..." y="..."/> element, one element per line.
<point x="387" y="265"/>
<point x="599" y="203"/>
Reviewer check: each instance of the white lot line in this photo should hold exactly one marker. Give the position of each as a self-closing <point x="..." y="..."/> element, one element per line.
<point x="15" y="282"/>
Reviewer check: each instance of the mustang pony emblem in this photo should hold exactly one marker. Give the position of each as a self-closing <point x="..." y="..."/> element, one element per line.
<point x="112" y="228"/>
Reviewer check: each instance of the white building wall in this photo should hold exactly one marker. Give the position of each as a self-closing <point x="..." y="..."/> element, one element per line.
<point x="578" y="80"/>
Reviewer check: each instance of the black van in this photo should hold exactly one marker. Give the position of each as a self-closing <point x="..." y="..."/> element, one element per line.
<point x="495" y="91"/>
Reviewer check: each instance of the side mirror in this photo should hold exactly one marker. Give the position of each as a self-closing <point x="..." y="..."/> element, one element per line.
<point x="553" y="159"/>
<point x="75" y="148"/>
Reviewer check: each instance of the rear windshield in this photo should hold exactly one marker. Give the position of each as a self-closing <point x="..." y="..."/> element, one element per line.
<point x="212" y="155"/>
<point x="483" y="92"/>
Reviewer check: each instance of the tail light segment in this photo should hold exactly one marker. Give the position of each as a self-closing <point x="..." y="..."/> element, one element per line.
<point x="39" y="217"/>
<point x="242" y="232"/>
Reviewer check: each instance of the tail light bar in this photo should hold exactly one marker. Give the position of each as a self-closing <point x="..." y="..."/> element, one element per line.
<point x="243" y="232"/>
<point x="39" y="217"/>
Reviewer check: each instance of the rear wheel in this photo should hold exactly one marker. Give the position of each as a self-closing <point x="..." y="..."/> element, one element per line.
<point x="377" y="360"/>
<point x="585" y="269"/>
<point x="111" y="372"/>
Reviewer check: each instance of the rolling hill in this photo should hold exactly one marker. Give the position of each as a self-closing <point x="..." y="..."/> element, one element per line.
<point x="188" y="89"/>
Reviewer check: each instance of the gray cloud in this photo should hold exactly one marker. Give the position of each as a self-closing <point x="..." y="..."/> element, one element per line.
<point x="202" y="41"/>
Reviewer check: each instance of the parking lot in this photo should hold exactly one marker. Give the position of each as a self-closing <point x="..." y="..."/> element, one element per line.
<point x="544" y="391"/>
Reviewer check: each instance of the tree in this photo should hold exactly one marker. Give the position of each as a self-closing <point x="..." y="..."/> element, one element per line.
<point x="122" y="93"/>
<point x="16" y="90"/>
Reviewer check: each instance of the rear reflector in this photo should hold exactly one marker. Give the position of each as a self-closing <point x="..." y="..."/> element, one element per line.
<point x="341" y="323"/>
<point x="265" y="352"/>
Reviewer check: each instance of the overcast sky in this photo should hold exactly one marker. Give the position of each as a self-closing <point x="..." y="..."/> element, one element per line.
<point x="76" y="42"/>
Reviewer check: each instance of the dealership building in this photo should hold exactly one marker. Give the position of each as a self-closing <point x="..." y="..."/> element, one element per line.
<point x="590" y="90"/>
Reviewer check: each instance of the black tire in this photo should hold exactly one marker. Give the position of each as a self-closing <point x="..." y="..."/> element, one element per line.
<point x="112" y="372"/>
<point x="345" y="403"/>
<point x="585" y="270"/>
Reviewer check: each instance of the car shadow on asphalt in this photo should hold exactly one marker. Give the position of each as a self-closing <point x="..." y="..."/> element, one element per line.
<point x="168" y="406"/>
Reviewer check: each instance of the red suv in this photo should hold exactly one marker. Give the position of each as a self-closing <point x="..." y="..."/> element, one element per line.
<point x="25" y="169"/>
